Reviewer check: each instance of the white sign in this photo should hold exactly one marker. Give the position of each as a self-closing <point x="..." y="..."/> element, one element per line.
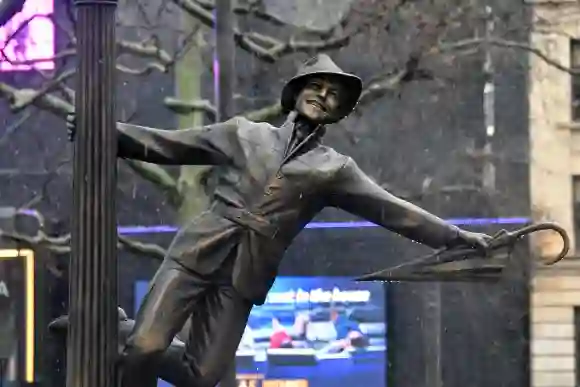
<point x="4" y="289"/>
<point x="318" y="296"/>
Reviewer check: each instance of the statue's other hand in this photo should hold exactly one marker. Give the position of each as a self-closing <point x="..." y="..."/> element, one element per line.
<point x="71" y="126"/>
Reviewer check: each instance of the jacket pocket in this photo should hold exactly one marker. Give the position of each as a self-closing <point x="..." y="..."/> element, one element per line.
<point x="256" y="265"/>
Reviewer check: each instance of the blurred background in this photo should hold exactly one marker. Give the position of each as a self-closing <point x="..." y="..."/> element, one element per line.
<point x="470" y="109"/>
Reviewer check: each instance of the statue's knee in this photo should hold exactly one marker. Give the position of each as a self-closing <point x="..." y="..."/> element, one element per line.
<point x="142" y="346"/>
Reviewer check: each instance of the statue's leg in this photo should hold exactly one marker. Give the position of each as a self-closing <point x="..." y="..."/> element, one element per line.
<point x="172" y="294"/>
<point x="216" y="325"/>
<point x="59" y="327"/>
<point x="216" y="328"/>
<point x="174" y="352"/>
<point x="218" y="318"/>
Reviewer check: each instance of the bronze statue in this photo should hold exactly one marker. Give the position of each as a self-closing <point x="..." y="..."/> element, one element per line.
<point x="273" y="181"/>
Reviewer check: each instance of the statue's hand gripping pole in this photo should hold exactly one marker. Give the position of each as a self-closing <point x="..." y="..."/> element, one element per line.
<point x="462" y="264"/>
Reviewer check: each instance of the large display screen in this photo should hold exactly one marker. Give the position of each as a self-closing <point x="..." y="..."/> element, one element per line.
<point x="17" y="316"/>
<point x="313" y="332"/>
<point x="27" y="40"/>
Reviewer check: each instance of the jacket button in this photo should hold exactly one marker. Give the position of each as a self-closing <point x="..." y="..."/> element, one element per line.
<point x="279" y="176"/>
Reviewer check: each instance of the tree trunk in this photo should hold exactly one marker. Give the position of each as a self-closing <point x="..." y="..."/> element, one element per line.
<point x="188" y="83"/>
<point x="188" y="73"/>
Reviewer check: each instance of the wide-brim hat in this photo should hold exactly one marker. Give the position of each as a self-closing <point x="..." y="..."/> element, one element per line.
<point x="322" y="65"/>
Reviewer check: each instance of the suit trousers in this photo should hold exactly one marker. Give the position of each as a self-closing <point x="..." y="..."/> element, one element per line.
<point x="218" y="316"/>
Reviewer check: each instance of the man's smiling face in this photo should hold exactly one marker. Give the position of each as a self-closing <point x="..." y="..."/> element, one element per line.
<point x="319" y="100"/>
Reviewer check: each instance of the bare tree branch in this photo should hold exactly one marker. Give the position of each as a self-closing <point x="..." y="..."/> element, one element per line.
<point x="162" y="60"/>
<point x="23" y="25"/>
<point x="149" y="249"/>
<point x="12" y="128"/>
<point x="467" y="43"/>
<point x="67" y="92"/>
<point x="51" y="174"/>
<point x="55" y="245"/>
<point x="145" y="70"/>
<point x="252" y="8"/>
<point x="379" y="88"/>
<point x="63" y="54"/>
<point x="61" y="244"/>
<point x="278" y="48"/>
<point x="376" y="89"/>
<point x="48" y="87"/>
<point x="36" y="241"/>
<point x="180" y="106"/>
<point x="158" y="176"/>
<point x="145" y="49"/>
<point x="256" y="9"/>
<point x="21" y="98"/>
<point x="42" y="98"/>
<point x="266" y="48"/>
<point x="197" y="11"/>
<point x="266" y="113"/>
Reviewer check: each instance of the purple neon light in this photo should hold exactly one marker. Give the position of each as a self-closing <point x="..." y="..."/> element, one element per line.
<point x="319" y="225"/>
<point x="456" y="221"/>
<point x="28" y="38"/>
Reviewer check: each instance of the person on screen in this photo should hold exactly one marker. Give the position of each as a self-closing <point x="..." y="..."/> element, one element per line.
<point x="349" y="335"/>
<point x="280" y="338"/>
<point x="343" y="324"/>
<point x="270" y="183"/>
<point x="300" y="328"/>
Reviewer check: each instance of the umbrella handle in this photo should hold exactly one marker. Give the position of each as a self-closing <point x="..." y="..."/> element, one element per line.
<point x="500" y="240"/>
<point x="503" y="238"/>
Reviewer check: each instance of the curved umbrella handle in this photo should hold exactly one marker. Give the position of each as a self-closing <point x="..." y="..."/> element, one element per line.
<point x="510" y="237"/>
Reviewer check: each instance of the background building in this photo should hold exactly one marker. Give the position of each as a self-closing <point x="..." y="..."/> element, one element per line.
<point x="554" y="103"/>
<point x="419" y="131"/>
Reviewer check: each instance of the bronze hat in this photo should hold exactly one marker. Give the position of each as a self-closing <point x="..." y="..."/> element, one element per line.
<point x="322" y="65"/>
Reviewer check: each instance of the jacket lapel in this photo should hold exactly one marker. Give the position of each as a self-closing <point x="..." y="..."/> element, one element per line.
<point x="299" y="146"/>
<point x="285" y="138"/>
<point x="285" y="135"/>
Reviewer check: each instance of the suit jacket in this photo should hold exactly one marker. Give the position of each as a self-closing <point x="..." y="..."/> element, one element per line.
<point x="265" y="194"/>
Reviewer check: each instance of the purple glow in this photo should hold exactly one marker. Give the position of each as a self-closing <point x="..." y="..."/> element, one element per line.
<point x="319" y="225"/>
<point x="216" y="77"/>
<point x="456" y="221"/>
<point x="27" y="40"/>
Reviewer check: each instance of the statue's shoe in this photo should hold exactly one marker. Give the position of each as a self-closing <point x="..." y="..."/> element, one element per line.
<point x="169" y="362"/>
<point x="60" y="325"/>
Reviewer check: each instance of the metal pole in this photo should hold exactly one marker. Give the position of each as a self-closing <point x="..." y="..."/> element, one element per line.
<point x="224" y="80"/>
<point x="488" y="105"/>
<point x="92" y="339"/>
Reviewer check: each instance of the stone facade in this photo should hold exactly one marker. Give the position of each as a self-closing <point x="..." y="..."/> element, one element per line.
<point x="554" y="160"/>
<point x="555" y="295"/>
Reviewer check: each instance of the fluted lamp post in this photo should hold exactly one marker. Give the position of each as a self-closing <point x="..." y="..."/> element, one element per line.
<point x="92" y="340"/>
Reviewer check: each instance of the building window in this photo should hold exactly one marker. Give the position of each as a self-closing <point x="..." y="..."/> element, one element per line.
<point x="575" y="92"/>
<point x="576" y="209"/>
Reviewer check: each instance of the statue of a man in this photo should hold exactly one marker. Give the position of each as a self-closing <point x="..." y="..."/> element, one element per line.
<point x="271" y="183"/>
